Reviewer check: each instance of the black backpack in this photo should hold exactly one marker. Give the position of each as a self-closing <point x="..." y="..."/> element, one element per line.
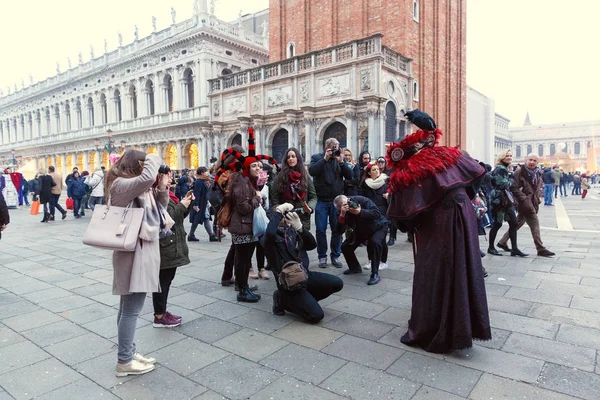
<point x="215" y="195"/>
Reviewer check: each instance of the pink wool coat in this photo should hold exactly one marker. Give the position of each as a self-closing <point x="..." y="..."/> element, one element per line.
<point x="137" y="272"/>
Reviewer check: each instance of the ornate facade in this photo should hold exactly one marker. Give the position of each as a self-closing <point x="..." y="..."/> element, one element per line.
<point x="152" y="95"/>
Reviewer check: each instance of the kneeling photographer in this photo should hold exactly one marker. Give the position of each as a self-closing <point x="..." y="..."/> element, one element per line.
<point x="298" y="289"/>
<point x="362" y="221"/>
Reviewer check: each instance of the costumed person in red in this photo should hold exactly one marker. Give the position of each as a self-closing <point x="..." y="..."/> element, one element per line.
<point x="242" y="199"/>
<point x="431" y="190"/>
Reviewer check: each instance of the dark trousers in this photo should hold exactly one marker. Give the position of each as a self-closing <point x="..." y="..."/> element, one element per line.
<point x="512" y="229"/>
<point x="260" y="257"/>
<point x="54" y="205"/>
<point x="563" y="188"/>
<point x="305" y="302"/>
<point x="228" y="267"/>
<point x="534" y="225"/>
<point x="393" y="231"/>
<point x="159" y="300"/>
<point x="375" y="243"/>
<point x="95" y="200"/>
<point x="76" y="206"/>
<point x="373" y="247"/>
<point x="576" y="188"/>
<point x="243" y="262"/>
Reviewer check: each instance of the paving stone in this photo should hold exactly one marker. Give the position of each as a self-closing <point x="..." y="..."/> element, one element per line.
<point x="358" y="326"/>
<point x="235" y="377"/>
<point x="392" y="338"/>
<point x="311" y="336"/>
<point x="92" y="290"/>
<point x="303" y="363"/>
<point x="365" y="352"/>
<point x="9" y="337"/>
<point x="494" y="289"/>
<point x="43" y="296"/>
<point x="565" y="315"/>
<point x="359" y="382"/>
<point x="148" y="338"/>
<point x="429" y="393"/>
<point x="515" y="281"/>
<point x="395" y="300"/>
<point x="550" y="350"/>
<point x="570" y="288"/>
<point x="102" y="370"/>
<point x="442" y="375"/>
<point x="203" y="287"/>
<point x="539" y="296"/>
<point x="161" y="383"/>
<point x="576" y="271"/>
<point x="74" y="351"/>
<point x="223" y="310"/>
<point x="28" y="285"/>
<point x="292" y="389"/>
<point x="251" y="344"/>
<point x="553" y="276"/>
<point x="19" y="355"/>
<point x="31" y="320"/>
<point x="358" y="307"/>
<point x="48" y="375"/>
<point x="590" y="281"/>
<point x="499" y="337"/>
<point x="77" y="389"/>
<point x="66" y="303"/>
<point x="517" y="323"/>
<point x="8" y="298"/>
<point x="57" y="332"/>
<point x="394" y="316"/>
<point x="581" y="336"/>
<point x="263" y="321"/>
<point x="508" y="305"/>
<point x="497" y="362"/>
<point x="362" y="292"/>
<point x="570" y="381"/>
<point x="210" y="395"/>
<point x="495" y="387"/>
<point x="191" y="300"/>
<point x="188" y="356"/>
<point x="107" y="298"/>
<point x="75" y="283"/>
<point x="107" y="327"/>
<point x="208" y="329"/>
<point x="89" y="313"/>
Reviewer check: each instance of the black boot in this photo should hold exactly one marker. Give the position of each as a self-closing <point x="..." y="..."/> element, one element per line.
<point x="374" y="279"/>
<point x="213" y="238"/>
<point x="494" y="252"/>
<point x="391" y="242"/>
<point x="247" y="296"/>
<point x="277" y="307"/>
<point x="518" y="252"/>
<point x="46" y="217"/>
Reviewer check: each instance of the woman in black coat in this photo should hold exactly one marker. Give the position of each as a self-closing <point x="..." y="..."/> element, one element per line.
<point x="374" y="187"/>
<point x="198" y="215"/>
<point x="46" y="184"/>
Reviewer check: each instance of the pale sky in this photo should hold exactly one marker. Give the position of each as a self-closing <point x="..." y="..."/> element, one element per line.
<point x="539" y="56"/>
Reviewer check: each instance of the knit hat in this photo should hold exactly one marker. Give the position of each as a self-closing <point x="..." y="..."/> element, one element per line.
<point x="242" y="163"/>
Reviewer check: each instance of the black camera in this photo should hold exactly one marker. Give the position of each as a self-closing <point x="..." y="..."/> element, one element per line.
<point x="298" y="211"/>
<point x="164" y="169"/>
<point x="353" y="204"/>
<point x="336" y="152"/>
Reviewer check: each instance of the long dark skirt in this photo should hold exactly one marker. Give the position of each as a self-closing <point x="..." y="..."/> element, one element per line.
<point x="449" y="305"/>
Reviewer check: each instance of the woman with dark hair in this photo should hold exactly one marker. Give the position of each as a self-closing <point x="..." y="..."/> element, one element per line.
<point x="364" y="158"/>
<point x="46" y="184"/>
<point x="134" y="180"/>
<point x="293" y="185"/>
<point x="198" y="215"/>
<point x="503" y="204"/>
<point x="374" y="186"/>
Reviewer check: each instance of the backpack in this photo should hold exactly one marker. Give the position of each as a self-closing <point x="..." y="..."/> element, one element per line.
<point x="224" y="215"/>
<point x="215" y="195"/>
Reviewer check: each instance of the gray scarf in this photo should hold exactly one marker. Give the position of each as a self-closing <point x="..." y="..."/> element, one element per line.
<point x="153" y="213"/>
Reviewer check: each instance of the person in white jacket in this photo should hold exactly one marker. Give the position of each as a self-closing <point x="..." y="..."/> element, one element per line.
<point x="96" y="182"/>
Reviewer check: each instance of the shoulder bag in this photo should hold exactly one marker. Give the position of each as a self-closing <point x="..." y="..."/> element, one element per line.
<point x="114" y="228"/>
<point x="293" y="276"/>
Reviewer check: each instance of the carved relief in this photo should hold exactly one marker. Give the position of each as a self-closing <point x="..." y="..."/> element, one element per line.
<point x="256" y="102"/>
<point x="216" y="108"/>
<point x="304" y="92"/>
<point x="279" y="96"/>
<point x="365" y="79"/>
<point x="235" y="105"/>
<point x="334" y="86"/>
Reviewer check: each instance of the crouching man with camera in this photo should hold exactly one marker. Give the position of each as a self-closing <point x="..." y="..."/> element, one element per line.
<point x="362" y="221"/>
<point x="298" y="289"/>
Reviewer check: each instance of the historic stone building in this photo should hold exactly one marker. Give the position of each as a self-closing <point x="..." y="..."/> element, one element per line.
<point x="150" y="94"/>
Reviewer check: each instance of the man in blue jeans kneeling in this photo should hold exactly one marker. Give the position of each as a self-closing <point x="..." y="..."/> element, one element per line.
<point x="328" y="170"/>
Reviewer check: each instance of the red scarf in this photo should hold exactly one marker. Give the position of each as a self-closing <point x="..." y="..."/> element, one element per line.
<point x="294" y="180"/>
<point x="173" y="197"/>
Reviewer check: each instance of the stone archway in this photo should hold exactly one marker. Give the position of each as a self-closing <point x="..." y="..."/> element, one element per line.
<point x="336" y="130"/>
<point x="80" y="165"/>
<point x="59" y="163"/>
<point x="279" y="145"/>
<point x="92" y="161"/>
<point x="237" y="139"/>
<point x="170" y="157"/>
<point x="152" y="150"/>
<point x="190" y="156"/>
<point x="105" y="160"/>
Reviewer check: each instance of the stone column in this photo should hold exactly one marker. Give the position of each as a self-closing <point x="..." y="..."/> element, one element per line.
<point x="352" y="132"/>
<point x="126" y="109"/>
<point x="180" y="146"/>
<point x="202" y="74"/>
<point x="163" y="103"/>
<point x="63" y="168"/>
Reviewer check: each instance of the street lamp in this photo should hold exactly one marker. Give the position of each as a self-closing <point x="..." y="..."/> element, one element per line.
<point x="14" y="161"/>
<point x="109" y="145"/>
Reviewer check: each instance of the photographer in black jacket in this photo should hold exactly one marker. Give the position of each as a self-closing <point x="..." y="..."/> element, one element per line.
<point x="362" y="221"/>
<point x="284" y="243"/>
<point x="328" y="170"/>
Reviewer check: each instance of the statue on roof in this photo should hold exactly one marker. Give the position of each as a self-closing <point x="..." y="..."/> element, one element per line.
<point x="69" y="63"/>
<point x="265" y="29"/>
<point x="92" y="52"/>
<point x="173" y="15"/>
<point x="240" y="19"/>
<point x="120" y="39"/>
<point x="22" y="83"/>
<point x="80" y="58"/>
<point x="30" y="79"/>
<point x="105" y="46"/>
<point x="212" y="7"/>
<point x="136" y="33"/>
<point x="153" y="23"/>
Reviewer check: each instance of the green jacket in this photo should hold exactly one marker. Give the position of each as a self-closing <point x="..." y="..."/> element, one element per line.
<point x="311" y="200"/>
<point x="174" y="250"/>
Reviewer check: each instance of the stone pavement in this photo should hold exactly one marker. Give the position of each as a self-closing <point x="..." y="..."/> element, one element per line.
<point x="58" y="326"/>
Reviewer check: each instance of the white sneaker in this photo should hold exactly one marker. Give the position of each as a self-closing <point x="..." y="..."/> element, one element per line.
<point x="134" y="367"/>
<point x="383" y="265"/>
<point x="367" y="265"/>
<point x="141" y="358"/>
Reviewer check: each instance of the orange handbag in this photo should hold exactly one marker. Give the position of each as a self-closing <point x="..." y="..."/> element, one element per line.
<point x="35" y="208"/>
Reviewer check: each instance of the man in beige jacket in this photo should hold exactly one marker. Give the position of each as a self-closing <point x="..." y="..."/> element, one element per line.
<point x="56" y="192"/>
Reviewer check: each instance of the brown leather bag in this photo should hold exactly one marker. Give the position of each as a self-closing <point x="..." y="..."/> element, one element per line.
<point x="224" y="215"/>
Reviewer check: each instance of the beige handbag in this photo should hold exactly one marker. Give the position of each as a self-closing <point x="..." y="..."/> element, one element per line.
<point x="114" y="228"/>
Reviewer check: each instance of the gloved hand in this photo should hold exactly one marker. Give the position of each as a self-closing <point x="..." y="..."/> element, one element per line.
<point x="282" y="208"/>
<point x="294" y="220"/>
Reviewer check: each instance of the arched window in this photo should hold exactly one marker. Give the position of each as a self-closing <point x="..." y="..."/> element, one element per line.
<point x="226" y="71"/>
<point x="237" y="139"/>
<point x="577" y="148"/>
<point x="291" y="50"/>
<point x="67" y="117"/>
<point x="390" y="122"/>
<point x="78" y="114"/>
<point x="48" y="121"/>
<point x="541" y="150"/>
<point x="29" y="126"/>
<point x="103" y="109"/>
<point x="117" y="98"/>
<point x="552" y="149"/>
<point x="188" y="82"/>
<point x="589" y="144"/>
<point x="416" y="90"/>
<point x="518" y="151"/>
<point x="280" y="145"/>
<point x="133" y="101"/>
<point x="56" y="119"/>
<point x="529" y="149"/>
<point x="416" y="10"/>
<point x="38" y="121"/>
<point x="566" y="148"/>
<point x="336" y="130"/>
<point x="168" y="86"/>
<point x="90" y="111"/>
<point x="150" y="96"/>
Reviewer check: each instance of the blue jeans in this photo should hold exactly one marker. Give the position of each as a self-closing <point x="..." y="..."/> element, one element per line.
<point x="563" y="188"/>
<point x="129" y="311"/>
<point x="326" y="210"/>
<point x="76" y="206"/>
<point x="548" y="189"/>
